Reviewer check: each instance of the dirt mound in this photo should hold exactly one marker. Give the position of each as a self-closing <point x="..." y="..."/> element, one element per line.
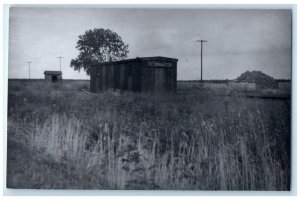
<point x="262" y="80"/>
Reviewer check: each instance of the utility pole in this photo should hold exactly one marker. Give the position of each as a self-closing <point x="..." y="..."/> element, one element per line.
<point x="60" y="62"/>
<point x="29" y="62"/>
<point x="202" y="41"/>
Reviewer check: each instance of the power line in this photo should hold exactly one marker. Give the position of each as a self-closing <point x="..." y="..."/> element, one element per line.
<point x="202" y="41"/>
<point x="60" y="57"/>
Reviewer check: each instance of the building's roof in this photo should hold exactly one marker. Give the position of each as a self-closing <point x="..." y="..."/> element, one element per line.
<point x="154" y="58"/>
<point x="158" y="58"/>
<point x="53" y="72"/>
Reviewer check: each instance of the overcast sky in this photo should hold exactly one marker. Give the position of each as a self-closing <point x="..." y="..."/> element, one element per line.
<point x="238" y="40"/>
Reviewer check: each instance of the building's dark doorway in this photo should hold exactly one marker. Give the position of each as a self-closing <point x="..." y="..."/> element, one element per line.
<point x="54" y="78"/>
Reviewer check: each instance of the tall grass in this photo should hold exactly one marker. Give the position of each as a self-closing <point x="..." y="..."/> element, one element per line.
<point x="65" y="137"/>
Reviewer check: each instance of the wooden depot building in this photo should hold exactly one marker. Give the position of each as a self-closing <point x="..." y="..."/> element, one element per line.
<point x="147" y="74"/>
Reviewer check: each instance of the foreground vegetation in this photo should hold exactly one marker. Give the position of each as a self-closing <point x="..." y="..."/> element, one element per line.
<point x="65" y="137"/>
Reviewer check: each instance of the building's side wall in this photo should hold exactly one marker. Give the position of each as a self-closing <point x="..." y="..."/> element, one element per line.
<point x="159" y="76"/>
<point x="136" y="76"/>
<point x="123" y="76"/>
<point x="59" y="77"/>
<point x="173" y="80"/>
<point x="48" y="77"/>
<point x="147" y="78"/>
<point x="94" y="87"/>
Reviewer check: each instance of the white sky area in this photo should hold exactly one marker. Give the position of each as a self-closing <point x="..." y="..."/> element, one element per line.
<point x="238" y="40"/>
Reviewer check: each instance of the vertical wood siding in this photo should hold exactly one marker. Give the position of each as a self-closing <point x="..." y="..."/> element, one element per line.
<point x="137" y="76"/>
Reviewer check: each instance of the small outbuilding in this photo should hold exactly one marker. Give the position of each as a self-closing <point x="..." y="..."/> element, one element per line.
<point x="53" y="76"/>
<point x="147" y="74"/>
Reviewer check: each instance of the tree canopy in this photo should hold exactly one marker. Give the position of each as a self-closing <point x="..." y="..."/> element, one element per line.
<point x="98" y="46"/>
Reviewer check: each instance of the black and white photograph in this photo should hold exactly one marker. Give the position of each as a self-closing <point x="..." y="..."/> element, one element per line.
<point x="144" y="98"/>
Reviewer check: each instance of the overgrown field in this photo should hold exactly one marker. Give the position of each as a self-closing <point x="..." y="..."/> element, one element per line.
<point x="65" y="137"/>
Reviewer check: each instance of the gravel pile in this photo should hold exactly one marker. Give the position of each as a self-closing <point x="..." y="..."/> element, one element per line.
<point x="262" y="80"/>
